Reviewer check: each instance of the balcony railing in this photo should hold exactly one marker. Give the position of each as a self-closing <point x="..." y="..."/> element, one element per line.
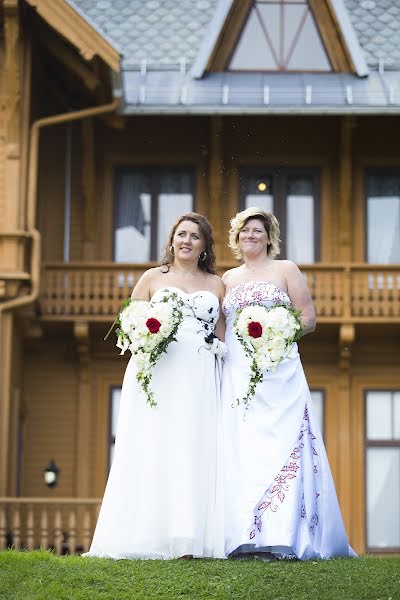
<point x="352" y="292"/>
<point x="65" y="525"/>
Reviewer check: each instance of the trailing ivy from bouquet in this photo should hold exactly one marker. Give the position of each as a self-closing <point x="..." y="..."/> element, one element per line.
<point x="147" y="329"/>
<point x="267" y="335"/>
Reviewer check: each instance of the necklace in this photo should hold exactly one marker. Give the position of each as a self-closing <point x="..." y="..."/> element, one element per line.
<point x="185" y="273"/>
<point x="257" y="268"/>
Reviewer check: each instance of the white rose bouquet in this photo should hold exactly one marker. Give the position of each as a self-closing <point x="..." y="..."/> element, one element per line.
<point x="267" y="335"/>
<point x="147" y="329"/>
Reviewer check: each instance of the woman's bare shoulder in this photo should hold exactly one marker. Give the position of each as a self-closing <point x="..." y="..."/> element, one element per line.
<point x="216" y="285"/>
<point x="231" y="275"/>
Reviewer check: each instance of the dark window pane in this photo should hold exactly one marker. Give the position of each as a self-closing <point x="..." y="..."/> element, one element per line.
<point x="300" y="241"/>
<point x="175" y="198"/>
<point x="383" y="218"/>
<point x="258" y="191"/>
<point x="147" y="203"/>
<point x="132" y="218"/>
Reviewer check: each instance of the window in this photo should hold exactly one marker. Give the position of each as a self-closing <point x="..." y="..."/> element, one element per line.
<point x="292" y="195"/>
<point x="318" y="400"/>
<point x="147" y="202"/>
<point x="383" y="469"/>
<point x="280" y="35"/>
<point x="383" y="217"/>
<point x="115" y="398"/>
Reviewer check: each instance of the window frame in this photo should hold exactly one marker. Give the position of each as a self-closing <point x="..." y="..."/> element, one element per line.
<point x="280" y="69"/>
<point x="154" y="172"/>
<point x="375" y="444"/>
<point x="374" y="170"/>
<point x="279" y="176"/>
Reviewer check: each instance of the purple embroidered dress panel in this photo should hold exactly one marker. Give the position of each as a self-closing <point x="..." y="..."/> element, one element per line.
<point x="279" y="492"/>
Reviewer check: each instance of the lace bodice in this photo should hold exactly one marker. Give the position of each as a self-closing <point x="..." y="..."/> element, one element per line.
<point x="241" y="295"/>
<point x="199" y="308"/>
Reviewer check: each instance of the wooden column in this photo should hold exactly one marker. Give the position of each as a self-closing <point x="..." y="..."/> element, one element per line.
<point x="10" y="256"/>
<point x="347" y="331"/>
<point x="345" y="191"/>
<point x="89" y="189"/>
<point x="6" y="332"/>
<point x="344" y="423"/>
<point x="216" y="181"/>
<point x="84" y="412"/>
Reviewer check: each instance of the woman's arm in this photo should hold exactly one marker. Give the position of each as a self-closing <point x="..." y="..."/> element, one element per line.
<point x="220" y="293"/>
<point x="300" y="296"/>
<point x="142" y="290"/>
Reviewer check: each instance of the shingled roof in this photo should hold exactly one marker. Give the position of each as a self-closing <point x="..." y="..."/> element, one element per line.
<point x="163" y="32"/>
<point x="160" y="40"/>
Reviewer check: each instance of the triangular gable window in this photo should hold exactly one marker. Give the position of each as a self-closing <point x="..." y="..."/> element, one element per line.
<point x="280" y="35"/>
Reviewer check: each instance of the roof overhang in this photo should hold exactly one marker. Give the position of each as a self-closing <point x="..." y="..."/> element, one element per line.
<point x="72" y="24"/>
<point x="256" y="93"/>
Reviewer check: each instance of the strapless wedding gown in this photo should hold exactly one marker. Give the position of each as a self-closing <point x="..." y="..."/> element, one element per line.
<point x="164" y="495"/>
<point x="280" y="495"/>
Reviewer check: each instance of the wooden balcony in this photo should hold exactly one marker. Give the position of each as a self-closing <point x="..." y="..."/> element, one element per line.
<point x="342" y="293"/>
<point x="65" y="525"/>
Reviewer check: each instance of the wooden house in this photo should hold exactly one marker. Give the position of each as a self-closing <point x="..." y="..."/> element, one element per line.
<point x="115" y="117"/>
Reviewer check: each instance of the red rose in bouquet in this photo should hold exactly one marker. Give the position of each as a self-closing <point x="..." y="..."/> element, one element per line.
<point x="255" y="329"/>
<point x="153" y="325"/>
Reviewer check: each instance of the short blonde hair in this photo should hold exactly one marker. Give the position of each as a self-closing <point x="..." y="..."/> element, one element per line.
<point x="271" y="226"/>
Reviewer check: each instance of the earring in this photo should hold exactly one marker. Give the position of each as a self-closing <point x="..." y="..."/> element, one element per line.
<point x="203" y="256"/>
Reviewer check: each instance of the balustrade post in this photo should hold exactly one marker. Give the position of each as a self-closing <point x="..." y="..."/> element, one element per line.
<point x="44" y="528"/>
<point x="87" y="534"/>
<point x="30" y="528"/>
<point x="16" y="527"/>
<point x="58" y="534"/>
<point x="72" y="530"/>
<point x="347" y="312"/>
<point x="3" y="527"/>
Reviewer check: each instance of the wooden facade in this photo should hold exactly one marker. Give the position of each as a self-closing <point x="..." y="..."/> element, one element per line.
<point x="57" y="372"/>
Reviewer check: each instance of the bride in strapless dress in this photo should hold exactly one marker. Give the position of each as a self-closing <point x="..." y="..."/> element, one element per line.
<point x="164" y="494"/>
<point x="280" y="499"/>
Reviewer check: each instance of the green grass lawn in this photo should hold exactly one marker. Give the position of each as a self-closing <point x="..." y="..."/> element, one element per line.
<point x="43" y="576"/>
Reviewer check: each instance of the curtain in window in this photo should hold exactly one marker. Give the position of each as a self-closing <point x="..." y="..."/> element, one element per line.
<point x="132" y="218"/>
<point x="175" y="199"/>
<point x="300" y="219"/>
<point x="383" y="217"/>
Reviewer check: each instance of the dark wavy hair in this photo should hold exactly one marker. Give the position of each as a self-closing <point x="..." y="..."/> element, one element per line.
<point x="208" y="264"/>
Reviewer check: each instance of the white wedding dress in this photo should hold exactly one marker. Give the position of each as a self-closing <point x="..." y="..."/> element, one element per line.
<point x="279" y="496"/>
<point x="164" y="495"/>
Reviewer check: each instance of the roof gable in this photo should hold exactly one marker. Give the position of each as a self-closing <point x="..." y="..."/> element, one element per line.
<point x="250" y="35"/>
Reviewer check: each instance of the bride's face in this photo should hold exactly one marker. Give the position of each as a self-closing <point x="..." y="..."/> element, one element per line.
<point x="188" y="242"/>
<point x="253" y="239"/>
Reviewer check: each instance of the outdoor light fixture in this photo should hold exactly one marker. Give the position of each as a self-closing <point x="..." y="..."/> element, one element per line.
<point x="262" y="186"/>
<point x="50" y="474"/>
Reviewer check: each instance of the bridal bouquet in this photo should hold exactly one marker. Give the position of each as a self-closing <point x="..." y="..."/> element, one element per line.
<point x="147" y="329"/>
<point x="266" y="335"/>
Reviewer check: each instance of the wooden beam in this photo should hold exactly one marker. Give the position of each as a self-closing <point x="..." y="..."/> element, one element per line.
<point x="71" y="60"/>
<point x="216" y="178"/>
<point x="229" y="36"/>
<point x="6" y="337"/>
<point x="331" y="36"/>
<point x="70" y="24"/>
<point x="84" y="411"/>
<point x="89" y="189"/>
<point x="345" y="200"/>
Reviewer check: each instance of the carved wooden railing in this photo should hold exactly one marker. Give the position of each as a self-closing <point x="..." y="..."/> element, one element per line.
<point x="353" y="292"/>
<point x="64" y="524"/>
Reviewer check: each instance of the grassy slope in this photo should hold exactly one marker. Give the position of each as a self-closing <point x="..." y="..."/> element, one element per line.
<point x="42" y="575"/>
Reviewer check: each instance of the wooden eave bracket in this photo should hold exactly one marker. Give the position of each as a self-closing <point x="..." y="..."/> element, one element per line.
<point x="70" y="24"/>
